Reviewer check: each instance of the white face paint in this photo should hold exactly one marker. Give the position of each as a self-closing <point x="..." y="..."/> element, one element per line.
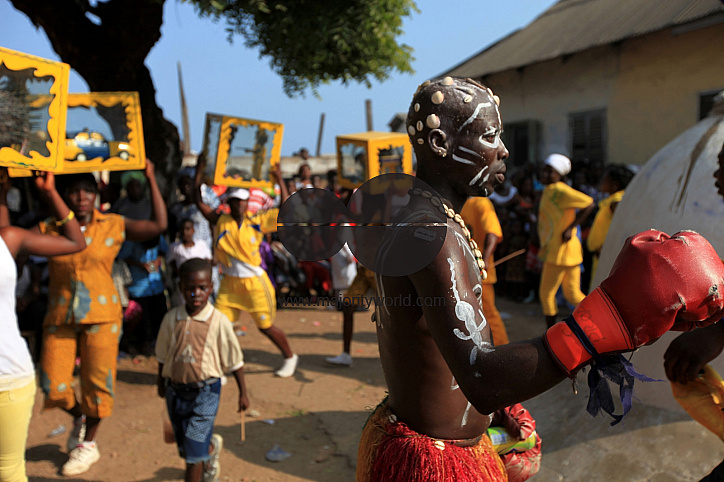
<point x="490" y="131"/>
<point x="462" y="160"/>
<point x="475" y="114"/>
<point x="470" y="151"/>
<point x="465" y="313"/>
<point x="478" y="175"/>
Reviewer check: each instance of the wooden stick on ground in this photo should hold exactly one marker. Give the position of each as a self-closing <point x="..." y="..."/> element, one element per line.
<point x="509" y="257"/>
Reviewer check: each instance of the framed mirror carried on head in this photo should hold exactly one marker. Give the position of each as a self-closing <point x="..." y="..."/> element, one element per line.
<point x="362" y="156"/>
<point x="104" y="132"/>
<point x="33" y="104"/>
<point x="241" y="152"/>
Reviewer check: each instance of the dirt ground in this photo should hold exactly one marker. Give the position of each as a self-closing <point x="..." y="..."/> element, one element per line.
<point x="317" y="417"/>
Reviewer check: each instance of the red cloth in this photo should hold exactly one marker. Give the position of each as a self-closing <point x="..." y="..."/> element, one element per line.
<point x="259" y="201"/>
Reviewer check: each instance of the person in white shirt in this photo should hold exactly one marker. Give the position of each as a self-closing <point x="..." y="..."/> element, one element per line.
<point x="184" y="249"/>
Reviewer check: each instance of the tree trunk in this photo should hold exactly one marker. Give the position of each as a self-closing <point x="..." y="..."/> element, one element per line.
<point x="109" y="53"/>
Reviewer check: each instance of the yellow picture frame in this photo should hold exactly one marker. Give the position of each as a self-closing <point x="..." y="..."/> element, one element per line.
<point x="41" y="148"/>
<point x="119" y="147"/>
<point x="365" y="155"/>
<point x="241" y="154"/>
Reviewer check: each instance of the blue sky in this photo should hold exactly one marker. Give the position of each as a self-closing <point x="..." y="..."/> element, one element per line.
<point x="225" y="78"/>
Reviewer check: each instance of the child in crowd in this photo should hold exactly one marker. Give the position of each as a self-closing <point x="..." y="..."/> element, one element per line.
<point x="196" y="346"/>
<point x="183" y="250"/>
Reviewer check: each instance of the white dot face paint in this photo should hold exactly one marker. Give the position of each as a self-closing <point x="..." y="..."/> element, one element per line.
<point x="433" y="121"/>
<point x="465" y="312"/>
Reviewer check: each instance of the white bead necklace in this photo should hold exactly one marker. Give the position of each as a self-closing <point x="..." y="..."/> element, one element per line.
<point x="450" y="213"/>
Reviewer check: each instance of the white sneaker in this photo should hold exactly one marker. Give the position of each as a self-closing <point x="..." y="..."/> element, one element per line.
<point x="343" y="358"/>
<point x="288" y="368"/>
<point x="212" y="469"/>
<point x="77" y="435"/>
<point x="81" y="459"/>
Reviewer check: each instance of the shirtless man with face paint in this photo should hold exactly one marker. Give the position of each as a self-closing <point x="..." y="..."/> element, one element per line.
<point x="445" y="377"/>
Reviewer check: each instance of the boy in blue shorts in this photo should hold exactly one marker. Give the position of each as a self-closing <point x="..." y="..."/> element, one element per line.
<point x="196" y="345"/>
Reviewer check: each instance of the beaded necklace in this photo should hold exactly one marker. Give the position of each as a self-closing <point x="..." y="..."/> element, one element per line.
<point x="450" y="213"/>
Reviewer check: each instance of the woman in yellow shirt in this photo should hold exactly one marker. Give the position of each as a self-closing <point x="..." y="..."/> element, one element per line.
<point x="84" y="313"/>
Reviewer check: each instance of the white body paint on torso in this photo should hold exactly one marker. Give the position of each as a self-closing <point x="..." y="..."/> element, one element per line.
<point x="454" y="386"/>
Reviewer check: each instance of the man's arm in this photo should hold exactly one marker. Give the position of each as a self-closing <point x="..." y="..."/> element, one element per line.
<point x="145" y="230"/>
<point x="160" y="382"/>
<point x="490" y="377"/>
<point x="491" y="241"/>
<point x="211" y="215"/>
<point x="689" y="352"/>
<point x="243" y="397"/>
<point x="581" y="217"/>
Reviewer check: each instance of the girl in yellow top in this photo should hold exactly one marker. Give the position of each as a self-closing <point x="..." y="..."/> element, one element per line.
<point x="84" y="313"/>
<point x="614" y="181"/>
<point x="560" y="248"/>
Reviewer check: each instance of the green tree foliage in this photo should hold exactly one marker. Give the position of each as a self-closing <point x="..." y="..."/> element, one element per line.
<point x="313" y="42"/>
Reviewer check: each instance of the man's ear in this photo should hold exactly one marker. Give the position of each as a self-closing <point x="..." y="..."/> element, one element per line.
<point x="438" y="142"/>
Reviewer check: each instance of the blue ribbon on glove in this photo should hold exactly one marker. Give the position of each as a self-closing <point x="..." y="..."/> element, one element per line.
<point x="605" y="368"/>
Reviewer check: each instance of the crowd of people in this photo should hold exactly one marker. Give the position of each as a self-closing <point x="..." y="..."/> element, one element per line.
<point x="115" y="283"/>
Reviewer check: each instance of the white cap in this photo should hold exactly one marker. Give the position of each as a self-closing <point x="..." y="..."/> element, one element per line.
<point x="237" y="193"/>
<point x="560" y="163"/>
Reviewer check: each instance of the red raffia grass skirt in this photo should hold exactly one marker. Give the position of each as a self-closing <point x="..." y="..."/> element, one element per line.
<point x="390" y="451"/>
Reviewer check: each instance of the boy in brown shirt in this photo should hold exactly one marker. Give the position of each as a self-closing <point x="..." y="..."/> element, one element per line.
<point x="196" y="345"/>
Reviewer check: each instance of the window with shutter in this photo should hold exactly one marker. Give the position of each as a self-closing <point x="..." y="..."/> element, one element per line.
<point x="588" y="136"/>
<point x="521" y="140"/>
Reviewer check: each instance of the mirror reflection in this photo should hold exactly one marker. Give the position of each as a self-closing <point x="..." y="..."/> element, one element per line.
<point x="249" y="152"/>
<point x="354" y="162"/>
<point x="24" y="114"/>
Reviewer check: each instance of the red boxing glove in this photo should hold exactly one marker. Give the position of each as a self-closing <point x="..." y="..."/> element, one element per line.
<point x="658" y="283"/>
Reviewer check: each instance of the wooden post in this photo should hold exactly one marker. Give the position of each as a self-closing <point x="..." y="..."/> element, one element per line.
<point x="319" y="135"/>
<point x="368" y="106"/>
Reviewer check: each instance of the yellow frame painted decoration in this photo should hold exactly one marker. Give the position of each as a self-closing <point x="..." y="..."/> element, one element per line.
<point x="224" y="141"/>
<point x="58" y="94"/>
<point x="134" y="156"/>
<point x="373" y="142"/>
